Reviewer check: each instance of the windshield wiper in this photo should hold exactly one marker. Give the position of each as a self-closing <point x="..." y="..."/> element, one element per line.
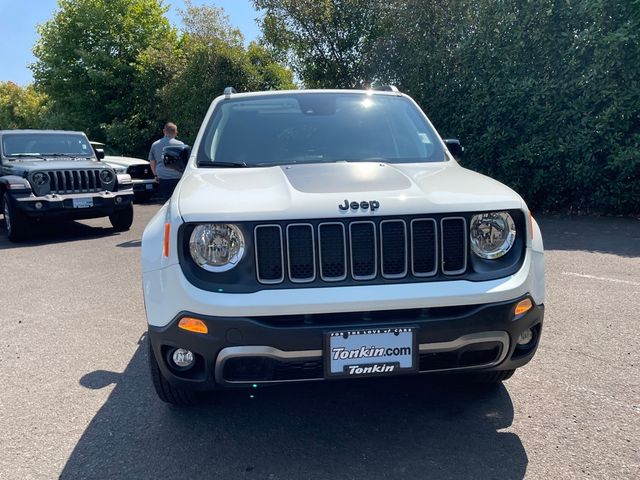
<point x="27" y="155"/>
<point x="70" y="155"/>
<point x="218" y="164"/>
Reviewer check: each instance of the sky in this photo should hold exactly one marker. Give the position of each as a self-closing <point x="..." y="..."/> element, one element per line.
<point x="19" y="18"/>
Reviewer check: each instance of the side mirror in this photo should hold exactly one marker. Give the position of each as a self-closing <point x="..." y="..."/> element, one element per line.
<point x="99" y="153"/>
<point x="176" y="157"/>
<point x="455" y="148"/>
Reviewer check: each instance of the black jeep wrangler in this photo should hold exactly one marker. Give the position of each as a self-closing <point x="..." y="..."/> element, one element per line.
<point x="50" y="173"/>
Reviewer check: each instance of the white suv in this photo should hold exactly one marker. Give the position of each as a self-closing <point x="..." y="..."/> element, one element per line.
<point x="329" y="234"/>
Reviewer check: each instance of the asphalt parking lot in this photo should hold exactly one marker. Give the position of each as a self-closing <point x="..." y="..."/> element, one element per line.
<point x="76" y="400"/>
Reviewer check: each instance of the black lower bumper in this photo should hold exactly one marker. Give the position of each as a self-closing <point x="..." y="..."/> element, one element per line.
<point x="274" y="349"/>
<point x="144" y="186"/>
<point x="74" y="207"/>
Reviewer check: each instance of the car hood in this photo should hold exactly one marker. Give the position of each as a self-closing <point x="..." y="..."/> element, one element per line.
<point x="125" y="161"/>
<point x="316" y="191"/>
<point x="27" y="166"/>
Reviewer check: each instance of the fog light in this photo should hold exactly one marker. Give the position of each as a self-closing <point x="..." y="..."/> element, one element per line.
<point x="38" y="205"/>
<point x="525" y="337"/>
<point x="182" y="357"/>
<point x="118" y="199"/>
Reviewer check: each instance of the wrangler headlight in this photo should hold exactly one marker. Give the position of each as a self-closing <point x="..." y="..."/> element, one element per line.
<point x="106" y="176"/>
<point x="492" y="234"/>
<point x="40" y="178"/>
<point x="217" y="247"/>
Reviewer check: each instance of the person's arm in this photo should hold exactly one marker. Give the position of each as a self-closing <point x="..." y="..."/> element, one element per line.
<point x="152" y="163"/>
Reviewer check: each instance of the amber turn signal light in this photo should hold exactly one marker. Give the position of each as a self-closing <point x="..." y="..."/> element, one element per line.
<point x="523" y="306"/>
<point x="167" y="231"/>
<point x="193" y="325"/>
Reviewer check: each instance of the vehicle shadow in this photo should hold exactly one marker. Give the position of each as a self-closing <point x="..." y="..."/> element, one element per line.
<point x="614" y="235"/>
<point x="394" y="428"/>
<point x="130" y="244"/>
<point x="50" y="232"/>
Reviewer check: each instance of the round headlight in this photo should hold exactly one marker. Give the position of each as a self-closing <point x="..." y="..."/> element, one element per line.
<point x="217" y="247"/>
<point x="40" y="178"/>
<point x="106" y="176"/>
<point x="492" y="234"/>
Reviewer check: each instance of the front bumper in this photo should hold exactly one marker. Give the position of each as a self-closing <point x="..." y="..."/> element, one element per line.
<point x="144" y="185"/>
<point x="74" y="206"/>
<point x="274" y="349"/>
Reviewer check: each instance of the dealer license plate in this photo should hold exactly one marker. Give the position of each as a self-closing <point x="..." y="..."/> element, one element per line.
<point x="149" y="186"/>
<point x="370" y="352"/>
<point x="82" y="202"/>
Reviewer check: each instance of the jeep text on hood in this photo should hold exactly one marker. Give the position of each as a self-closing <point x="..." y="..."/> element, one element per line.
<point x="329" y="234"/>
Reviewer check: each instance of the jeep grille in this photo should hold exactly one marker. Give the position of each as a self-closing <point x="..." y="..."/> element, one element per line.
<point x="74" y="181"/>
<point x="360" y="250"/>
<point x="140" y="171"/>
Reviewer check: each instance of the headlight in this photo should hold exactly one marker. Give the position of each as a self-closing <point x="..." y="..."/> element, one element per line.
<point x="492" y="234"/>
<point x="106" y="176"/>
<point x="40" y="178"/>
<point x="217" y="247"/>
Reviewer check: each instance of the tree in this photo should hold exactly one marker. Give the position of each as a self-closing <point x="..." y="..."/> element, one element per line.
<point x="544" y="94"/>
<point x="210" y="56"/>
<point x="21" y="107"/>
<point x="328" y="43"/>
<point x="87" y="59"/>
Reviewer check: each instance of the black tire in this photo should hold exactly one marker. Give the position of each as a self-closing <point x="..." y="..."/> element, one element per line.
<point x="122" y="219"/>
<point x="16" y="223"/>
<point x="492" y="378"/>
<point x="168" y="393"/>
<point x="143" y="197"/>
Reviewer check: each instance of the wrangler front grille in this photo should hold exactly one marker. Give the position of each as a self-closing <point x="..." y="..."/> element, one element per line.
<point x="360" y="250"/>
<point x="75" y="181"/>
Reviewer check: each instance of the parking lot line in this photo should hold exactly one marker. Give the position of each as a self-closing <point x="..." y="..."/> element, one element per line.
<point x="604" y="279"/>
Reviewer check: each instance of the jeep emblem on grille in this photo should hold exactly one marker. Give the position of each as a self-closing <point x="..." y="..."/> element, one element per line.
<point x="371" y="204"/>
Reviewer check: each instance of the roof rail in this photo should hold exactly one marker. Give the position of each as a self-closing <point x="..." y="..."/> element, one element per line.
<point x="387" y="88"/>
<point x="228" y="91"/>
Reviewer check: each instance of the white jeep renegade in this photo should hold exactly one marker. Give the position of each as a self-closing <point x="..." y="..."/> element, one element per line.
<point x="330" y="234"/>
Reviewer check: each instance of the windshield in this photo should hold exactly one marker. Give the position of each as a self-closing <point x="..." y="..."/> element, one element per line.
<point x="45" y="144"/>
<point x="317" y="128"/>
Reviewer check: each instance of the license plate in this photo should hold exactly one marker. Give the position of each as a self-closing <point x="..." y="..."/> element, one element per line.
<point x="82" y="202"/>
<point x="370" y="352"/>
<point x="149" y="186"/>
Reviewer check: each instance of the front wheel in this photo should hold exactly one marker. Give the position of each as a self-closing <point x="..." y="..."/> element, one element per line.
<point x="167" y="392"/>
<point x="16" y="222"/>
<point x="122" y="219"/>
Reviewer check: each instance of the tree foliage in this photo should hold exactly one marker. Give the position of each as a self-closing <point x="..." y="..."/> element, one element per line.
<point x="21" y="107"/>
<point x="544" y="94"/>
<point x="87" y="56"/>
<point x="118" y="70"/>
<point x="329" y="43"/>
<point x="209" y="56"/>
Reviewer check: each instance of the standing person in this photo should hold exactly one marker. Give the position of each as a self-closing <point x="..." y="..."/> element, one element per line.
<point x="166" y="177"/>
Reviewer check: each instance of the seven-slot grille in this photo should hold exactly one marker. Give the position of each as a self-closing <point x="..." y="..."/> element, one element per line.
<point x="75" y="181"/>
<point x="361" y="250"/>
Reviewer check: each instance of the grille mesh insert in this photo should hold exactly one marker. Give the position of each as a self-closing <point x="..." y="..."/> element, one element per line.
<point x="423" y="240"/>
<point x="301" y="253"/>
<point x="270" y="261"/>
<point x="332" y="246"/>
